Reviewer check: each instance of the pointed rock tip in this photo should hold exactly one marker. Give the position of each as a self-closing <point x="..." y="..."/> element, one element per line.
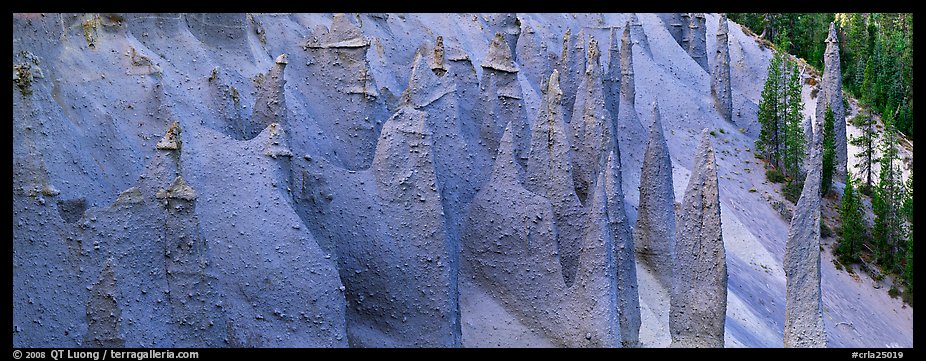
<point x="706" y="147"/>
<point x="613" y="39"/>
<point x="505" y="161"/>
<point x="342" y="34"/>
<point x="499" y="56"/>
<point x="426" y="83"/>
<point x="437" y="62"/>
<point x="594" y="53"/>
<point x="614" y="160"/>
<point x="281" y="59"/>
<point x="131" y="195"/>
<point x="657" y="121"/>
<point x="171" y="139"/>
<point x="178" y="189"/>
<point x="553" y="84"/>
<point x="705" y="133"/>
<point x="723" y="28"/>
<point x="277" y="145"/>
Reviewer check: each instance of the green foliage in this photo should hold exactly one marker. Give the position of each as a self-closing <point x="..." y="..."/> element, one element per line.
<point x="877" y="63"/>
<point x="800" y="34"/>
<point x="792" y="190"/>
<point x="876" y="52"/>
<point x="829" y="152"/>
<point x="888" y="231"/>
<point x="866" y="143"/>
<point x="774" y="175"/>
<point x="793" y="140"/>
<point x="768" y="144"/>
<point x="907" y="295"/>
<point x="852" y="230"/>
<point x="893" y="292"/>
<point x="781" y="137"/>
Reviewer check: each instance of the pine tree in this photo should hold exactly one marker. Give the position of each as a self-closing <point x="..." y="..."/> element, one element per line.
<point x="767" y="144"/>
<point x="851" y="227"/>
<point x="867" y="153"/>
<point x="888" y="198"/>
<point x="829" y="151"/>
<point x="880" y="45"/>
<point x="793" y="140"/>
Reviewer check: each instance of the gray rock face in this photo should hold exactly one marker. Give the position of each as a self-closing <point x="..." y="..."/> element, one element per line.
<point x="509" y="26"/>
<point x="189" y="277"/>
<point x="351" y="110"/>
<point x="720" y="76"/>
<point x="628" y="87"/>
<point x="638" y="35"/>
<point x="174" y="185"/>
<point x="654" y="234"/>
<point x="628" y="299"/>
<point x="458" y="178"/>
<point x="590" y="126"/>
<point x="263" y="302"/>
<point x="686" y="30"/>
<point x="501" y="101"/>
<point x="809" y="139"/>
<point x="225" y="101"/>
<point x="803" y="297"/>
<point x="508" y="227"/>
<point x="697" y="40"/>
<point x="629" y="128"/>
<point x="168" y="302"/>
<point x="832" y="90"/>
<point x="673" y="23"/>
<point x="270" y="105"/>
<point x="699" y="288"/>
<point x="549" y="174"/>
<point x="103" y="314"/>
<point x="612" y="80"/>
<point x="596" y="285"/>
<point x="817" y="128"/>
<point x="395" y="256"/>
<point x="534" y="56"/>
<point x="571" y="66"/>
<point x="404" y="172"/>
<point x="467" y="94"/>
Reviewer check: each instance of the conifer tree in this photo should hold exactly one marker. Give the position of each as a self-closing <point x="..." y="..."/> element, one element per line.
<point x="793" y="140"/>
<point x="866" y="141"/>
<point x="767" y="144"/>
<point x="852" y="230"/>
<point x="888" y="198"/>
